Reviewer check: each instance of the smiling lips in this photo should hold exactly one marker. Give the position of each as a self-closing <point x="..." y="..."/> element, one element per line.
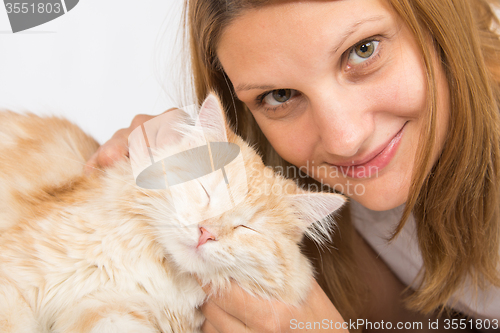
<point x="373" y="163"/>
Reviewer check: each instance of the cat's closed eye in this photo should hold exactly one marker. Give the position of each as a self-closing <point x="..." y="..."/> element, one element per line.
<point x="244" y="226"/>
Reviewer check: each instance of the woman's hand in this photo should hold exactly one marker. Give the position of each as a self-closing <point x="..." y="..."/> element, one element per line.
<point x="237" y="311"/>
<point x="116" y="148"/>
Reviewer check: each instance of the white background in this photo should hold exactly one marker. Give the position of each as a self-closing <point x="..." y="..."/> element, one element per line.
<point x="98" y="65"/>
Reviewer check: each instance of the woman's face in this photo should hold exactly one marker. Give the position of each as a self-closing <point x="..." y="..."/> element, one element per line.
<point x="339" y="89"/>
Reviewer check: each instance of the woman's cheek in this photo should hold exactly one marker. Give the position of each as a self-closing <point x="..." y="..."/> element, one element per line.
<point x="293" y="140"/>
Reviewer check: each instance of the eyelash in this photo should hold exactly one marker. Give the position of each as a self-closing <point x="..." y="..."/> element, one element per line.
<point x="260" y="98"/>
<point x="244" y="226"/>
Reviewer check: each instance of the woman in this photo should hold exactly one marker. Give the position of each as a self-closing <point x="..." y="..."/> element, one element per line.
<point x="394" y="103"/>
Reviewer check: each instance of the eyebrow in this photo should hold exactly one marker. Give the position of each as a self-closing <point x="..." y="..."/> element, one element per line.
<point x="246" y="86"/>
<point x="352" y="29"/>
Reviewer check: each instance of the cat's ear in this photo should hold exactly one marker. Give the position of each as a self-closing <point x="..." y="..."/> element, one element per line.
<point x="314" y="209"/>
<point x="212" y="119"/>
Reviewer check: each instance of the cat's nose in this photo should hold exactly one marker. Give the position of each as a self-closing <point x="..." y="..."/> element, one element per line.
<point x="205" y="236"/>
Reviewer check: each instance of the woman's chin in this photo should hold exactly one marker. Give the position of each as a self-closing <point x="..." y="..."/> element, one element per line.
<point x="379" y="198"/>
<point x="377" y="204"/>
<point x="378" y="195"/>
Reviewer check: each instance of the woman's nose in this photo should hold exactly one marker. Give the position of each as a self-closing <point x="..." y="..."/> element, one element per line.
<point x="344" y="124"/>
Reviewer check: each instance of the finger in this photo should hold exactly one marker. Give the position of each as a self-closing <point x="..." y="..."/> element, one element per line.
<point x="220" y="319"/>
<point x="240" y="304"/>
<point x="91" y="164"/>
<point x="106" y="156"/>
<point x="170" y="110"/>
<point x="142" y="118"/>
<point x="116" y="148"/>
<point x="112" y="151"/>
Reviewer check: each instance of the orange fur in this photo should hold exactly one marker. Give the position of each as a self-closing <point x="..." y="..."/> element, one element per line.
<point x="86" y="254"/>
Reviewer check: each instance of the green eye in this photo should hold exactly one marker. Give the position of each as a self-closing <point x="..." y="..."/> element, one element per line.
<point x="363" y="51"/>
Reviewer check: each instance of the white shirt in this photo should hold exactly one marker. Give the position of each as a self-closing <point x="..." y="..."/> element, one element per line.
<point x="403" y="257"/>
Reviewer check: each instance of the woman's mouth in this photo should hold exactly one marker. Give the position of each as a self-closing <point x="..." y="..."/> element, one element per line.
<point x="371" y="164"/>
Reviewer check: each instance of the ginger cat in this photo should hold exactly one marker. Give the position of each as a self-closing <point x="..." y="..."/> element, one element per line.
<point x="101" y="254"/>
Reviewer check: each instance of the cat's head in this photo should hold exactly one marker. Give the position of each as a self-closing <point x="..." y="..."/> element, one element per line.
<point x="231" y="217"/>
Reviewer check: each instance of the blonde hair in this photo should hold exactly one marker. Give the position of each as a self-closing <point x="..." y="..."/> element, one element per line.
<point x="456" y="204"/>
